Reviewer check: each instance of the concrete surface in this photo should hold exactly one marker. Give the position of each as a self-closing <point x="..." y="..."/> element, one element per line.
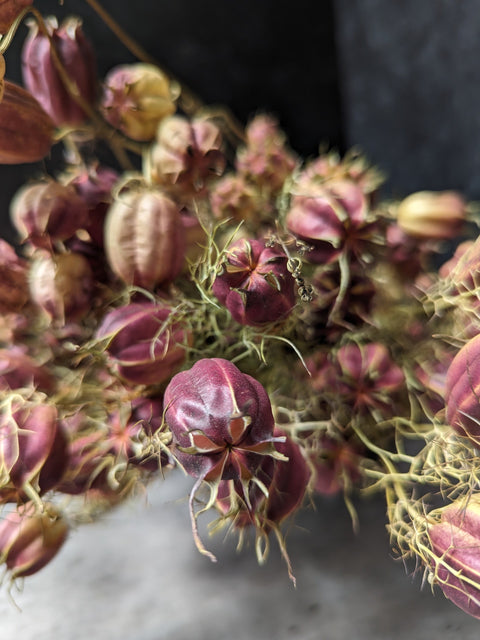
<point x="137" y="576"/>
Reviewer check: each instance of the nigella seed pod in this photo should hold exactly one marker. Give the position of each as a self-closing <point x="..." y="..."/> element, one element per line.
<point x="255" y="284"/>
<point x="26" y="130"/>
<point x="432" y="215"/>
<point x="30" y="539"/>
<point x="222" y="426"/>
<point x="33" y="448"/>
<point x="9" y="10"/>
<point x="454" y="558"/>
<point x="144" y="238"/>
<point x="41" y="75"/>
<point x="46" y="211"/>
<point x="265" y="159"/>
<point x="462" y="388"/>
<point x="187" y="154"/>
<point x="136" y="98"/>
<point x="128" y="428"/>
<point x="368" y="376"/>
<point x="62" y="285"/>
<point x="330" y="218"/>
<point x="220" y="418"/>
<point x="144" y="342"/>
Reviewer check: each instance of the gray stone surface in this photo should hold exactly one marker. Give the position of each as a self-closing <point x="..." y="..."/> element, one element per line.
<point x="411" y="90"/>
<point x="136" y="575"/>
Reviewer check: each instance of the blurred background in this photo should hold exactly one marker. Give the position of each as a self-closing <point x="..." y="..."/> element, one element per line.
<point x="399" y="80"/>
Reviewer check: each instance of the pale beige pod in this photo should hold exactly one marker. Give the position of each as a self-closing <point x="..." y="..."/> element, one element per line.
<point x="144" y="238"/>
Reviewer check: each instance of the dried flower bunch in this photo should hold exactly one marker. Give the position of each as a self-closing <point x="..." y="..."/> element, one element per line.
<point x="213" y="303"/>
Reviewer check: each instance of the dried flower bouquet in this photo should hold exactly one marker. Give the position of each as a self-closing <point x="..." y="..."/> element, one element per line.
<point x="211" y="302"/>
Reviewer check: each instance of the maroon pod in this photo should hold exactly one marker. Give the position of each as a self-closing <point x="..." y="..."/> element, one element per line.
<point x="42" y="78"/>
<point x="330" y="217"/>
<point x="462" y="389"/>
<point x="221" y="420"/>
<point x="455" y="558"/>
<point x="46" y="211"/>
<point x="255" y="284"/>
<point x="32" y="449"/>
<point x="145" y="345"/>
<point x="29" y="539"/>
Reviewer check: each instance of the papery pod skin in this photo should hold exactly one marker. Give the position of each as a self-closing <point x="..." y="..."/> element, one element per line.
<point x="26" y="130"/>
<point x="41" y="76"/>
<point x="255" y="284"/>
<point x="9" y="11"/>
<point x="221" y="420"/>
<point x="462" y="389"/>
<point x="136" y="98"/>
<point x="432" y="215"/>
<point x="45" y="211"/>
<point x="144" y="238"/>
<point x="137" y="350"/>
<point x="62" y="285"/>
<point x="14" y="291"/>
<point x="30" y="539"/>
<point x="455" y="559"/>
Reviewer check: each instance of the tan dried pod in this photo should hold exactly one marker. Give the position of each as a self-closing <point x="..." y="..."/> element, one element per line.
<point x="432" y="215"/>
<point x="26" y="131"/>
<point x="144" y="238"/>
<point x="62" y="285"/>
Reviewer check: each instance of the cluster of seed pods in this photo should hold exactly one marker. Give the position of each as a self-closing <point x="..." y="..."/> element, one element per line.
<point x="267" y="324"/>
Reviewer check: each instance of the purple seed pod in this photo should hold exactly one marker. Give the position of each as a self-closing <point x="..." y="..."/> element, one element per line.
<point x="330" y="218"/>
<point x="363" y="376"/>
<point x="144" y="345"/>
<point x="144" y="238"/>
<point x="14" y="291"/>
<point x="255" y="284"/>
<point x="462" y="388"/>
<point x="94" y="185"/>
<point x="221" y="420"/>
<point x="46" y="211"/>
<point x="187" y="154"/>
<point x="86" y="449"/>
<point x="41" y="76"/>
<point x="62" y="285"/>
<point x="30" y="539"/>
<point x="18" y="370"/>
<point x="265" y="160"/>
<point x="455" y="553"/>
<point x="33" y="448"/>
